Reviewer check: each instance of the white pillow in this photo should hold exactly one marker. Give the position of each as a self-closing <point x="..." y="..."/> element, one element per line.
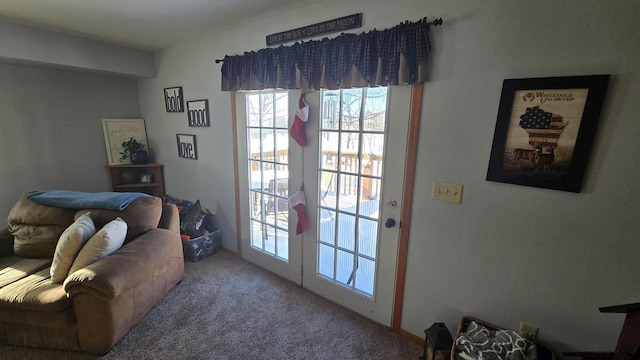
<point x="105" y="242"/>
<point x="69" y="245"/>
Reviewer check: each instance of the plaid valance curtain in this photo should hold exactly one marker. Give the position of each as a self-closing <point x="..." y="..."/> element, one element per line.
<point x="376" y="58"/>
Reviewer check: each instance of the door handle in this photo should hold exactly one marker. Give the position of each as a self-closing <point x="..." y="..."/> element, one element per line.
<point x="391" y="222"/>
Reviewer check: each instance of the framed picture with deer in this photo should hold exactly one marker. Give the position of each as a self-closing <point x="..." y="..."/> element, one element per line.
<point x="545" y="130"/>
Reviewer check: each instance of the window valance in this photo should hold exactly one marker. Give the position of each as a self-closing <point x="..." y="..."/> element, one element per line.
<point x="393" y="56"/>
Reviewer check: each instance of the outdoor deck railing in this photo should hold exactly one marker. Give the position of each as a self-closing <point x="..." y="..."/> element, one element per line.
<point x="371" y="165"/>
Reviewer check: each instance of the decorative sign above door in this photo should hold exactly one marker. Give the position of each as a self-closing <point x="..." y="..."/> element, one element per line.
<point x="326" y="27"/>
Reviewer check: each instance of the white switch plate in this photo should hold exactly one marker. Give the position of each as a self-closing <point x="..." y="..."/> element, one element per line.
<point x="447" y="192"/>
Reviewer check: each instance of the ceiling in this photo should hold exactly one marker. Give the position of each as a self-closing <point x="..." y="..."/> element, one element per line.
<point x="144" y="24"/>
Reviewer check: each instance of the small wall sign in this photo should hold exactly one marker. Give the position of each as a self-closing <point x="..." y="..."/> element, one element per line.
<point x="326" y="27"/>
<point x="173" y="99"/>
<point x="187" y="146"/>
<point x="198" y="113"/>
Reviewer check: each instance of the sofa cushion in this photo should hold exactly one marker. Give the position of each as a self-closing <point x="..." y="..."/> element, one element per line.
<point x="26" y="285"/>
<point x="105" y="242"/>
<point x="69" y="245"/>
<point x="141" y="215"/>
<point x="36" y="228"/>
<point x="14" y="268"/>
<point x="13" y="317"/>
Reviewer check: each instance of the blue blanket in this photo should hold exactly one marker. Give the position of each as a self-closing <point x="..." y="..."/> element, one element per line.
<point x="85" y="200"/>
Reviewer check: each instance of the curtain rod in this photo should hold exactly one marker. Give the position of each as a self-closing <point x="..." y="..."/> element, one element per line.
<point x="436" y="22"/>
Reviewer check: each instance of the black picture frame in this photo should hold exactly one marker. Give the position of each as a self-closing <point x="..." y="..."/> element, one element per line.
<point x="545" y="130"/>
<point x="174" y="99"/>
<point x="198" y="113"/>
<point x="187" y="147"/>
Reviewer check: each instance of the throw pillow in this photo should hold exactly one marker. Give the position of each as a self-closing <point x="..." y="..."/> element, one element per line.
<point x="105" y="242"/>
<point x="69" y="245"/>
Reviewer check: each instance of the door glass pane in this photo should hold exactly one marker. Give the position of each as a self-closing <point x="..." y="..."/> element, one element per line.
<point x="267" y="106"/>
<point x="348" y="198"/>
<point x="349" y="182"/>
<point x="253" y="110"/>
<point x="253" y="141"/>
<point x="268" y="144"/>
<point x="280" y="183"/>
<point x="282" y="245"/>
<point x="365" y="276"/>
<point x="269" y="209"/>
<point x="367" y="237"/>
<point x="325" y="260"/>
<point x="255" y="203"/>
<point x="372" y="150"/>
<point x="327" y="227"/>
<point x="329" y="144"/>
<point x="282" y="146"/>
<point x="344" y="268"/>
<point x="256" y="234"/>
<point x="349" y="152"/>
<point x="351" y="106"/>
<point x="282" y="110"/>
<point x="375" y="110"/>
<point x="368" y="201"/>
<point x="268" y="150"/>
<point x="346" y="231"/>
<point x="270" y="239"/>
<point x="330" y="110"/>
<point x="328" y="186"/>
<point x="255" y="175"/>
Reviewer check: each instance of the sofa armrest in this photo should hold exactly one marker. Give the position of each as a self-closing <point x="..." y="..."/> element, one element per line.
<point x="6" y="242"/>
<point x="135" y="262"/>
<point x="170" y="218"/>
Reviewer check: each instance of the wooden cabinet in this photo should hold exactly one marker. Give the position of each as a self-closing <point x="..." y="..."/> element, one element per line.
<point x="146" y="178"/>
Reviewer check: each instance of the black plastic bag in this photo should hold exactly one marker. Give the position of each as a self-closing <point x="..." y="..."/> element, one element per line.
<point x="193" y="220"/>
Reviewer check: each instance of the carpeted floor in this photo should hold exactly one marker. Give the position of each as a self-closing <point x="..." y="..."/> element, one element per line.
<point x="227" y="308"/>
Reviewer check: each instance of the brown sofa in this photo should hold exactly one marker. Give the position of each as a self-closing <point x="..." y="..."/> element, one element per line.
<point x="95" y="306"/>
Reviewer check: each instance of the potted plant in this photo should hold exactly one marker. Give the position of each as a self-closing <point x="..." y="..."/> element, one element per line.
<point x="134" y="150"/>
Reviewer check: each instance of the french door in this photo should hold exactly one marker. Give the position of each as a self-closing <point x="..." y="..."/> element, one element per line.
<point x="269" y="165"/>
<point x="352" y="171"/>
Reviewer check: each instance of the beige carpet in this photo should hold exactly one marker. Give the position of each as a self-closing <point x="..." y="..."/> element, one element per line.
<point x="227" y="308"/>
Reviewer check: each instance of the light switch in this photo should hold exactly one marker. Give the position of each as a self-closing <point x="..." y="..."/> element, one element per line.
<point x="448" y="192"/>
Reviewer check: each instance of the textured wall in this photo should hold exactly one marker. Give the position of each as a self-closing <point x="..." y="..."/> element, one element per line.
<point x="51" y="129"/>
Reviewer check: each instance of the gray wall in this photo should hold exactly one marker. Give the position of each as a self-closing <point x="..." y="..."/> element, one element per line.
<point x="512" y="253"/>
<point x="51" y="129"/>
<point x="508" y="253"/>
<point x="25" y="44"/>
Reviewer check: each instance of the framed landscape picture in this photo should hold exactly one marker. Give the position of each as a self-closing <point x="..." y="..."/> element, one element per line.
<point x="545" y="129"/>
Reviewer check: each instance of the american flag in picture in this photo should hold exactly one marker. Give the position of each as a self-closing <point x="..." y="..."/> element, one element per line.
<point x="544" y="128"/>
